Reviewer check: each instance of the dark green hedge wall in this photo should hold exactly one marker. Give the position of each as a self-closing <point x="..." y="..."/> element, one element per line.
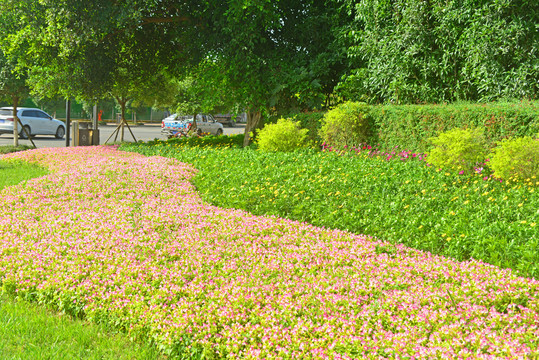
<point x="411" y="126"/>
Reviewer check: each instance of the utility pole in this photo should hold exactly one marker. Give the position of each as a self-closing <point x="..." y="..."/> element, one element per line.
<point x="68" y="121"/>
<point x="95" y="124"/>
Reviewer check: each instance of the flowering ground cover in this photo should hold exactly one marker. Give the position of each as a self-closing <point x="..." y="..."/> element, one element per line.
<point x="401" y="200"/>
<point x="124" y="239"/>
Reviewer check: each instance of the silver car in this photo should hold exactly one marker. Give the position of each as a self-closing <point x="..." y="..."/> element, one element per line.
<point x="174" y="125"/>
<point x="36" y="122"/>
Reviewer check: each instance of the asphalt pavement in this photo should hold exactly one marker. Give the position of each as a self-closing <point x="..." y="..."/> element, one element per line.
<point x="143" y="132"/>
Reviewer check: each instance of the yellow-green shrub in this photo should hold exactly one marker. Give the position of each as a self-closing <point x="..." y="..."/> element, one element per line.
<point x="516" y="158"/>
<point x="458" y="149"/>
<point x="346" y="125"/>
<point x="285" y="135"/>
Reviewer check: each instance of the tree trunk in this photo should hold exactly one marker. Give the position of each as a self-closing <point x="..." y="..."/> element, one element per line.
<point x="194" y="127"/>
<point x="15" y="121"/>
<point x="122" y="104"/>
<point x="253" y="118"/>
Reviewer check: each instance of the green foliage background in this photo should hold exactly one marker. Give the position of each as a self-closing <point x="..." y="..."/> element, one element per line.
<point x="415" y="51"/>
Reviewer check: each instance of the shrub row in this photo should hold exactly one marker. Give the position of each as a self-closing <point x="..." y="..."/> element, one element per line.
<point x="411" y="126"/>
<point x="203" y="141"/>
<point x="464" y="151"/>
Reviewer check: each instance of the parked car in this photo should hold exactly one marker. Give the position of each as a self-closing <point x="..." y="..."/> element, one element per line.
<point x="36" y="122"/>
<point x="226" y="119"/>
<point x="175" y="125"/>
<point x="171" y="117"/>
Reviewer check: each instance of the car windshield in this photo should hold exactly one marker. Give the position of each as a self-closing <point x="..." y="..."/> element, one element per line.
<point x="6" y="112"/>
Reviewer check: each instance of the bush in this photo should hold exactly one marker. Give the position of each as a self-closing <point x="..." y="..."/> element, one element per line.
<point x="516" y="158"/>
<point x="311" y="121"/>
<point x="458" y="149"/>
<point x="347" y="125"/>
<point x="285" y="135"/>
<point x="411" y="126"/>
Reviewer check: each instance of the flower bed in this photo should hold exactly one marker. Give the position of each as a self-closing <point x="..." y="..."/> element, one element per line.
<point x="125" y="239"/>
<point x="401" y="200"/>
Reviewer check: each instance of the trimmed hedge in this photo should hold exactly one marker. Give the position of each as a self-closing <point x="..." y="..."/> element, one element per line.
<point x="410" y="126"/>
<point x="203" y="141"/>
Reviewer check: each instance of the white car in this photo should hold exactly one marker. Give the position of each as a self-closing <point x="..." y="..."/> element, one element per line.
<point x="179" y="125"/>
<point x="36" y="122"/>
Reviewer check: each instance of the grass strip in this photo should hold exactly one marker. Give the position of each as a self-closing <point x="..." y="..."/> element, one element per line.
<point x="29" y="331"/>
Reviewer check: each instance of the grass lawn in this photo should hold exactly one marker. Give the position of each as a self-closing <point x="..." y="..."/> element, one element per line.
<point x="29" y="331"/>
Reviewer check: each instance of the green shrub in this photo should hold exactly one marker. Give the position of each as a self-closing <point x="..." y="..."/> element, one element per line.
<point x="516" y="158"/>
<point x="285" y="135"/>
<point x="311" y="121"/>
<point x="410" y="126"/>
<point x="346" y="125"/>
<point x="458" y="149"/>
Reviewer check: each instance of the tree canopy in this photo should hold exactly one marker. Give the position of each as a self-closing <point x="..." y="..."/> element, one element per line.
<point x="276" y="56"/>
<point x="416" y="51"/>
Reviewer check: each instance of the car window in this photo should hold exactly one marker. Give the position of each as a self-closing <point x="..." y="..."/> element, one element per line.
<point x="6" y="112"/>
<point x="29" y="113"/>
<point x="41" y="114"/>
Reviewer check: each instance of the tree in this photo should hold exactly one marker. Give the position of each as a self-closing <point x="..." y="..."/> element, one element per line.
<point x="85" y="50"/>
<point x="264" y="49"/>
<point x="13" y="87"/>
<point x="415" y="51"/>
<point x="271" y="58"/>
<point x="13" y="79"/>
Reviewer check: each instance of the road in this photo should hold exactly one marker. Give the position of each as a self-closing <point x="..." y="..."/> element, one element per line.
<point x="142" y="132"/>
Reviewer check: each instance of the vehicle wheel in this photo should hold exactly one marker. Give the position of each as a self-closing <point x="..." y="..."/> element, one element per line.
<point x="60" y="132"/>
<point x="199" y="132"/>
<point x="219" y="132"/>
<point x="23" y="133"/>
